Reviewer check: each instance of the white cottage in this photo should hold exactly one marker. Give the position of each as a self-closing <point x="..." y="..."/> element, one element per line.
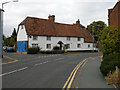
<point x="46" y="33"/>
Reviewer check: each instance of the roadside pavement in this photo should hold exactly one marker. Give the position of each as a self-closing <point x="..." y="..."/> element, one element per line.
<point x="89" y="75"/>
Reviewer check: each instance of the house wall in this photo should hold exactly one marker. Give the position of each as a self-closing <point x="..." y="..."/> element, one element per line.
<point x="114" y="15"/>
<point x="119" y="14"/>
<point x="22" y="39"/>
<point x="42" y="41"/>
<point x="22" y="35"/>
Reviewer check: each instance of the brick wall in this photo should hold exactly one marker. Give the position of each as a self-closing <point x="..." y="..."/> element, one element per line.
<point x="114" y="15"/>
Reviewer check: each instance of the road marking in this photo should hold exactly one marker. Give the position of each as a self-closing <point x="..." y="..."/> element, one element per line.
<point x="84" y="64"/>
<point x="69" y="81"/>
<point x="10" y="62"/>
<point x="9" y="57"/>
<point x="13" y="60"/>
<point x="14" y="71"/>
<point x="59" y="59"/>
<point x="69" y="77"/>
<point x="41" y="63"/>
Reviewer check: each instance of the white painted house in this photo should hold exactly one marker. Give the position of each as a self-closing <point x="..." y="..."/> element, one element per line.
<point x="46" y="34"/>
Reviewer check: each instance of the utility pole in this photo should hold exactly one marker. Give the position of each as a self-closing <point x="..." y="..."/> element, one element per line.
<point x="1" y="26"/>
<point x="1" y="33"/>
<point x="93" y="36"/>
<point x="1" y="48"/>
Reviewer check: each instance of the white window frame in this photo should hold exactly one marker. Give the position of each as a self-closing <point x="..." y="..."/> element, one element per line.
<point x="78" y="39"/>
<point x="94" y="45"/>
<point x="48" y="38"/>
<point x="48" y="46"/>
<point x="68" y="38"/>
<point x="88" y="45"/>
<point x="34" y="45"/>
<point x="35" y="38"/>
<point x="78" y="45"/>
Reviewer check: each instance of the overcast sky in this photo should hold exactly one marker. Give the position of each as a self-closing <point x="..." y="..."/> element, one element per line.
<point x="65" y="11"/>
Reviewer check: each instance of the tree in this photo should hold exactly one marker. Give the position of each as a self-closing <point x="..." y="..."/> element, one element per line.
<point x="110" y="40"/>
<point x="4" y="38"/>
<point x="12" y="40"/>
<point x="97" y="27"/>
<point x="14" y="33"/>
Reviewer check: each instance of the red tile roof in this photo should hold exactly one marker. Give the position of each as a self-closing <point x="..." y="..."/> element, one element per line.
<point x="45" y="27"/>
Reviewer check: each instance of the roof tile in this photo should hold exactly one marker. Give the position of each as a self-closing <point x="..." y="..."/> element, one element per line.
<point x="44" y="27"/>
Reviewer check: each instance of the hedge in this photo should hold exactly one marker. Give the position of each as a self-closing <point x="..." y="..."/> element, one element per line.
<point x="109" y="63"/>
<point x="56" y="48"/>
<point x="52" y="52"/>
<point x="33" y="50"/>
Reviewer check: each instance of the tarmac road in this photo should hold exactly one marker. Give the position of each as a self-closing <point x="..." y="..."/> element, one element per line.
<point x="40" y="71"/>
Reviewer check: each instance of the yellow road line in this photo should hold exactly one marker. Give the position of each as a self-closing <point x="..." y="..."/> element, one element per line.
<point x="9" y="58"/>
<point x="10" y="62"/>
<point x="73" y="73"/>
<point x="69" y="77"/>
<point x="71" y="81"/>
<point x="13" y="60"/>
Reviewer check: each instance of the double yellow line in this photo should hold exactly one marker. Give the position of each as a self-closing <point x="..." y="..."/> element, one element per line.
<point x="69" y="81"/>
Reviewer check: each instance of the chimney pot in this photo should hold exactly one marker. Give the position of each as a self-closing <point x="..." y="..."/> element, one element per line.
<point x="78" y="22"/>
<point x="51" y="18"/>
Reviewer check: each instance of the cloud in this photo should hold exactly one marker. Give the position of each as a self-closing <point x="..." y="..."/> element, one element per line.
<point x="66" y="11"/>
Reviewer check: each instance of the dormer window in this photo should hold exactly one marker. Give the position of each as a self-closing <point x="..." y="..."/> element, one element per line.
<point x="68" y="38"/>
<point x="48" y="38"/>
<point x="35" y="37"/>
<point x="79" y="39"/>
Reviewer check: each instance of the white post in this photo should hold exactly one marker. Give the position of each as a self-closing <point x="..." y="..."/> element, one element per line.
<point x="1" y="33"/>
<point x="1" y="46"/>
<point x="1" y="26"/>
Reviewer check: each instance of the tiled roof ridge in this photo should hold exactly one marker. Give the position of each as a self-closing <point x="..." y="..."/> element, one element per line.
<point x="64" y="24"/>
<point x="47" y="20"/>
<point x="38" y="26"/>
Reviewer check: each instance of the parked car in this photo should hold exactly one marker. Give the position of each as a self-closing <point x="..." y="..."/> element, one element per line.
<point x="8" y="49"/>
<point x="4" y="48"/>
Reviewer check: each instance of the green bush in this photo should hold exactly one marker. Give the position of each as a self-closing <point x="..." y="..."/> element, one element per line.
<point x="109" y="63"/>
<point x="56" y="48"/>
<point x="33" y="50"/>
<point x="52" y="52"/>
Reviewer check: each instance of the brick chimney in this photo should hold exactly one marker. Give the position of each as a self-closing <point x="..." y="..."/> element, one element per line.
<point x="51" y="18"/>
<point x="78" y="22"/>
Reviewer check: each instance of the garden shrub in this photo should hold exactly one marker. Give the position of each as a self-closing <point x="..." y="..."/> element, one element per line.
<point x="109" y="63"/>
<point x="33" y="50"/>
<point x="56" y="48"/>
<point x="110" y="41"/>
<point x="52" y="52"/>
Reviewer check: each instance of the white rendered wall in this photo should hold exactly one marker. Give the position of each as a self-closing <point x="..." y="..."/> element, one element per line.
<point x="22" y="35"/>
<point x="42" y="41"/>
